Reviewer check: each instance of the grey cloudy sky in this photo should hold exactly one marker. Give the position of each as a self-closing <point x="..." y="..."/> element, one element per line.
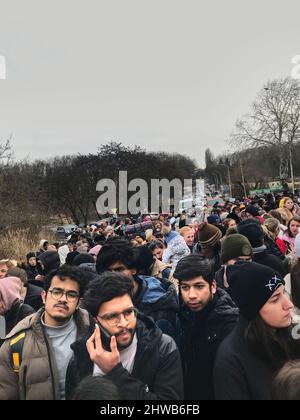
<point x="165" y="74"/>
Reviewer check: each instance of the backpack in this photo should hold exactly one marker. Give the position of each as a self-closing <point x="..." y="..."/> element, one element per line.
<point x="16" y="350"/>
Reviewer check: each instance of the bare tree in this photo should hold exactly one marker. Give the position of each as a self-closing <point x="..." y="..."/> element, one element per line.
<point x="6" y="152"/>
<point x="274" y="121"/>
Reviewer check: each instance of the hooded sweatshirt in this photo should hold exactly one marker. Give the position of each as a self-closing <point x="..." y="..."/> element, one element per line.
<point x="13" y="308"/>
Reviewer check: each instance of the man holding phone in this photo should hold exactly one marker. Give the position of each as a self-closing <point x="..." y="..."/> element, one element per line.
<point x="125" y="346"/>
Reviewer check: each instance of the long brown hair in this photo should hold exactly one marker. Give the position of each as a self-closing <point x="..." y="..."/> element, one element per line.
<point x="273" y="347"/>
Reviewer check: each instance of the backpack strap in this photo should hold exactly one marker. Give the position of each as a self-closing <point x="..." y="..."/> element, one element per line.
<point x="16" y="350"/>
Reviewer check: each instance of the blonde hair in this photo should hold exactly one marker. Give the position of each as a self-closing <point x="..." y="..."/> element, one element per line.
<point x="9" y="263"/>
<point x="271" y="227"/>
<point x="185" y="230"/>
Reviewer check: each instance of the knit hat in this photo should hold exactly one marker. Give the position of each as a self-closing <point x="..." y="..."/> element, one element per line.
<point x="253" y="231"/>
<point x="30" y="255"/>
<point x="235" y="245"/>
<point x="252" y="210"/>
<point x="214" y="218"/>
<point x="297" y="246"/>
<point x="10" y="289"/>
<point x="208" y="235"/>
<point x="251" y="286"/>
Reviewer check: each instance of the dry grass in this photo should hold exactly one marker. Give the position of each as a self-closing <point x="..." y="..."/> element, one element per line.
<point x="16" y="244"/>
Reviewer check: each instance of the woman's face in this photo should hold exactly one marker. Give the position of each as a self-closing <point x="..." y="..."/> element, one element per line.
<point x="3" y="271"/>
<point x="232" y="224"/>
<point x="294" y="228"/>
<point x="158" y="253"/>
<point x="32" y="261"/>
<point x="276" y="313"/>
<point x="289" y="204"/>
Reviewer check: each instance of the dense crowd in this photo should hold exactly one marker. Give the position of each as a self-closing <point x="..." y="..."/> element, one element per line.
<point x="190" y="306"/>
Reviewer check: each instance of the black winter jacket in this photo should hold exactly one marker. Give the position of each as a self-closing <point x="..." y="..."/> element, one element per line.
<point x="17" y="312"/>
<point x="33" y="296"/>
<point x="238" y="373"/>
<point x="273" y="248"/>
<point x="31" y="272"/>
<point x="157" y="372"/>
<point x="202" y="333"/>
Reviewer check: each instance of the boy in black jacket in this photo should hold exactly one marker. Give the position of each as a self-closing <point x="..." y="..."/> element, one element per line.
<point x="207" y="316"/>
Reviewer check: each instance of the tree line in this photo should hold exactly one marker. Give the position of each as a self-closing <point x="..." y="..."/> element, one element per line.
<point x="32" y="193"/>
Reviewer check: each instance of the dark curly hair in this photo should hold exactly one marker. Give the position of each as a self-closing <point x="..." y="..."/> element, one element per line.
<point x="104" y="288"/>
<point x="74" y="273"/>
<point x="114" y="250"/>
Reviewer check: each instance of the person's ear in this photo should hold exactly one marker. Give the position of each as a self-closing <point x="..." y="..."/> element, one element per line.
<point x="214" y="287"/>
<point x="79" y="303"/>
<point x="44" y="295"/>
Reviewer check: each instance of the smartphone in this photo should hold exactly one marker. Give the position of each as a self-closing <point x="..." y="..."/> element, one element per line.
<point x="105" y="338"/>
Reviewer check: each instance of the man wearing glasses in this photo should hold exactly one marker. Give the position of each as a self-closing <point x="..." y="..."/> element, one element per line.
<point x="35" y="355"/>
<point x="125" y="346"/>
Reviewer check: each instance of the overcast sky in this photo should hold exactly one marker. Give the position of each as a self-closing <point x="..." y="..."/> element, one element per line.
<point x="165" y="74"/>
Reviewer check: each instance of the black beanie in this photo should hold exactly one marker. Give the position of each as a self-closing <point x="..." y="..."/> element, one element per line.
<point x="30" y="255"/>
<point x="253" y="231"/>
<point x="83" y="259"/>
<point x="254" y="211"/>
<point x="251" y="286"/>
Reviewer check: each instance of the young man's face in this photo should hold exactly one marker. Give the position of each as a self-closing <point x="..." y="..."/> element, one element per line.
<point x="118" y="317"/>
<point x="197" y="293"/>
<point x="3" y="271"/>
<point x="61" y="301"/>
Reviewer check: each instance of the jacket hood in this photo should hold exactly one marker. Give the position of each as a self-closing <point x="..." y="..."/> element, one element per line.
<point x="50" y="260"/>
<point x="159" y="294"/>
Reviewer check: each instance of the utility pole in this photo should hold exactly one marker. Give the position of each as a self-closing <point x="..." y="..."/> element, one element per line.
<point x="243" y="178"/>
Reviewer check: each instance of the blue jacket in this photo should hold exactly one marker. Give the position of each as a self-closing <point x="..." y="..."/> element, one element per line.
<point x="158" y="299"/>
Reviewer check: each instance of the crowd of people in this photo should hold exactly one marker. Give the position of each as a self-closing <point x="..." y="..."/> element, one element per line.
<point x="182" y="307"/>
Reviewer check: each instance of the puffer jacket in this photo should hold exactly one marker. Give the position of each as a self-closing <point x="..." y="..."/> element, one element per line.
<point x="37" y="379"/>
<point x="176" y="250"/>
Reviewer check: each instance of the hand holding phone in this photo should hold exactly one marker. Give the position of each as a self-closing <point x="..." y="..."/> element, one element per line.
<point x="106" y="360"/>
<point x="105" y="338"/>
